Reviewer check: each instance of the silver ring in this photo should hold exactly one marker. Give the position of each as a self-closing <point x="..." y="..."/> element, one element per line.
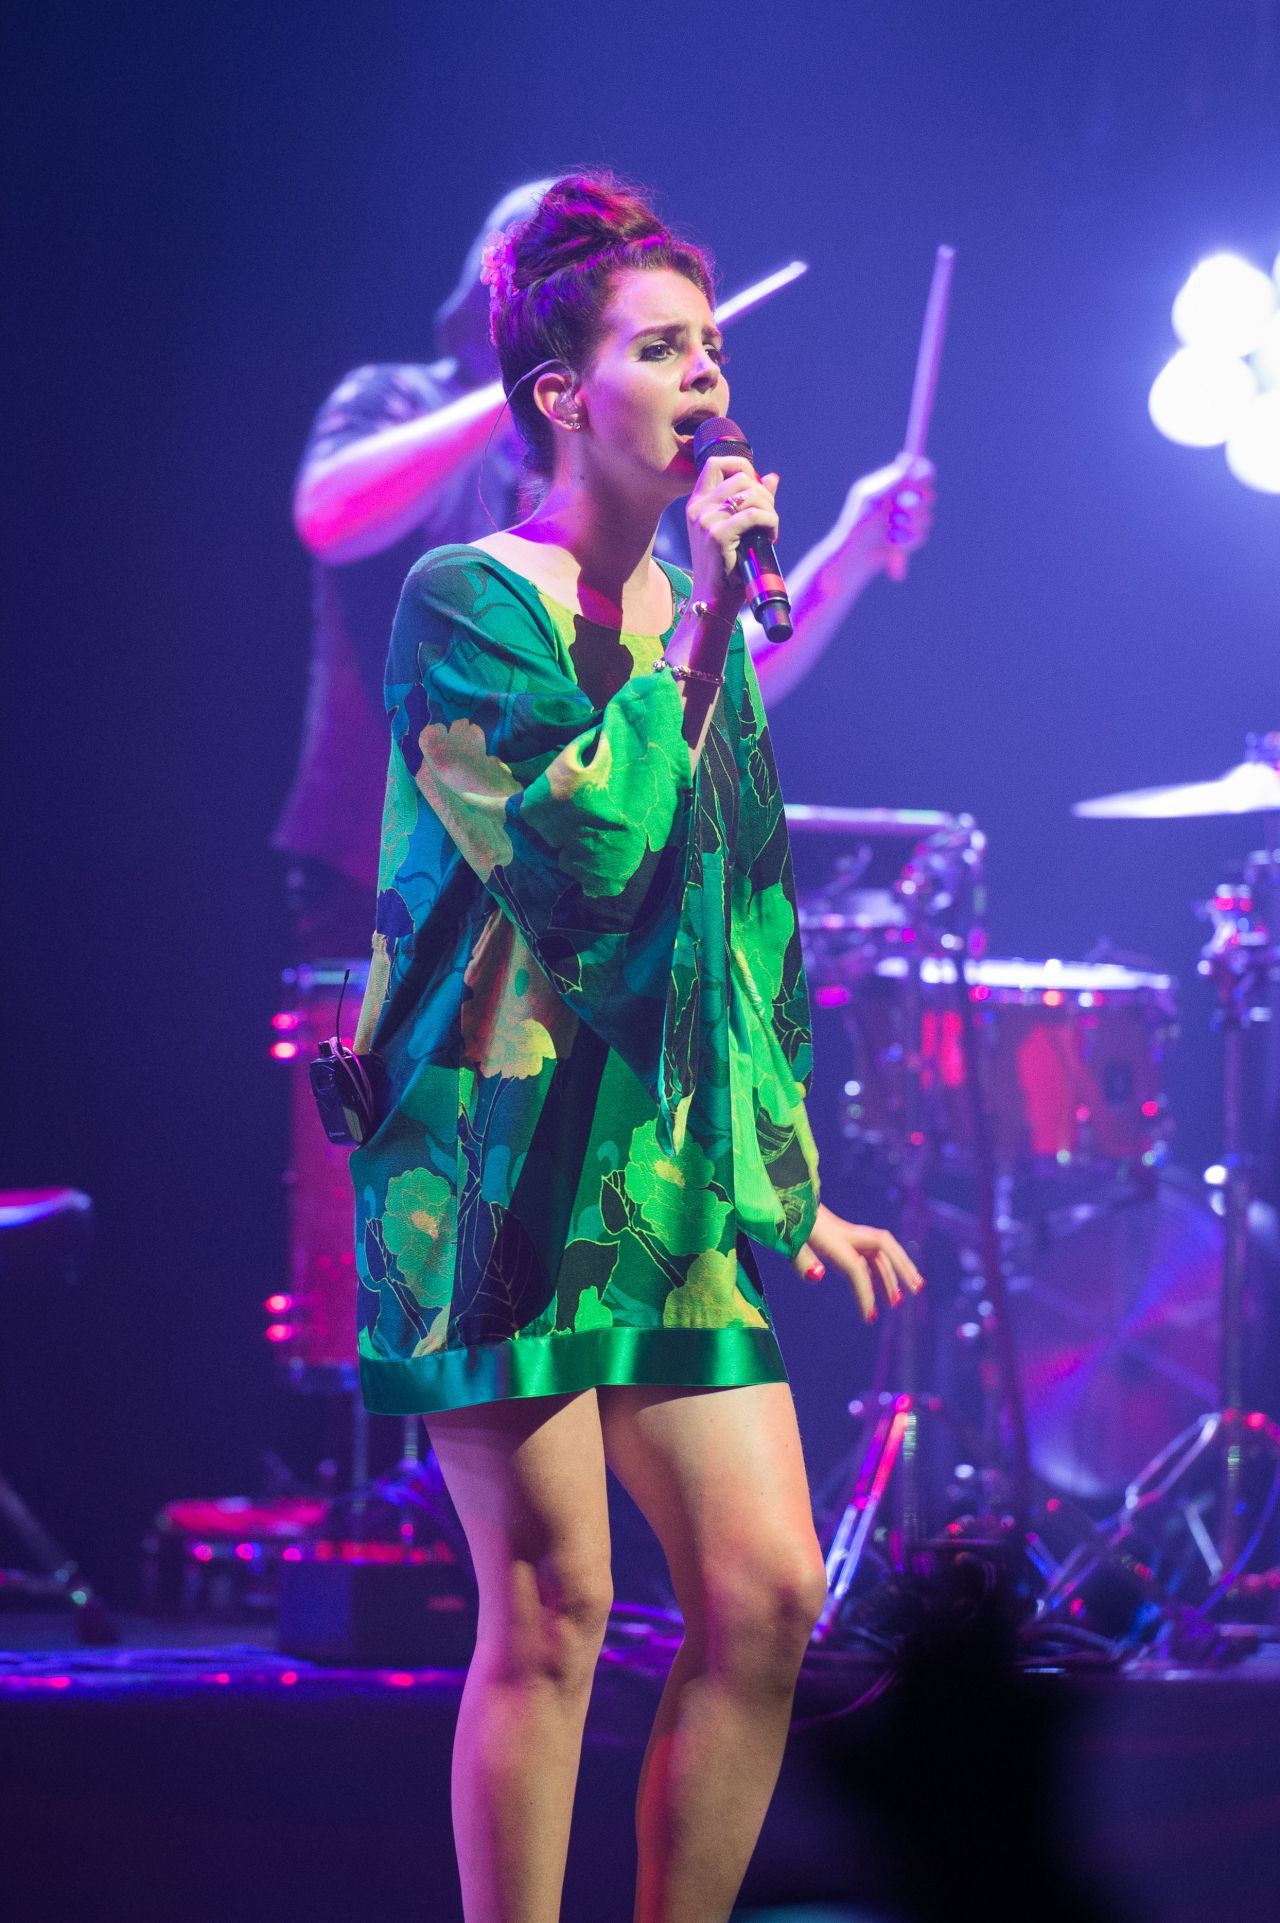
<point x="734" y="503"/>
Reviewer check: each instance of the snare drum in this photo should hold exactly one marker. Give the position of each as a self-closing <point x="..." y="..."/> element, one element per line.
<point x="1071" y="1058"/>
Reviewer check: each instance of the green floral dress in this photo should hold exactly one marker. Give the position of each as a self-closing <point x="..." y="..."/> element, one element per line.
<point x="588" y="999"/>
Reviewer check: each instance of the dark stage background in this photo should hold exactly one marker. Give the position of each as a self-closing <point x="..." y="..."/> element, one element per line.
<point x="220" y="208"/>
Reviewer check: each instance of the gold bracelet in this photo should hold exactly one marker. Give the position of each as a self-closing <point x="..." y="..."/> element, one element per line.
<point x="688" y="674"/>
<point x="704" y="613"/>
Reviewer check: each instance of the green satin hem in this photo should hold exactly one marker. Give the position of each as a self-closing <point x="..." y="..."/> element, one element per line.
<point x="549" y="1365"/>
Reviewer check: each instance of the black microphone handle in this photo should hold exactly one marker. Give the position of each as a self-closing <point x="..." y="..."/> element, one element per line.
<point x="766" y="590"/>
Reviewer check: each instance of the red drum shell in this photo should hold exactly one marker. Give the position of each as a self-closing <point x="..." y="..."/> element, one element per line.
<point x="1071" y="1058"/>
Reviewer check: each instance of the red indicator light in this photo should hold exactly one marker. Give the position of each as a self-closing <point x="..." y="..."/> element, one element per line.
<point x="222" y="1677"/>
<point x="59" y="1682"/>
<point x="1151" y="1108"/>
<point x="279" y="1331"/>
<point x="202" y="1552"/>
<point x="400" y="1679"/>
<point x="284" y="1051"/>
<point x="1255" y="1420"/>
<point x="1052" y="998"/>
<point x="980" y="994"/>
<point x="289" y="1676"/>
<point x="278" y="1304"/>
<point x="1053" y="1505"/>
<point x="292" y="1554"/>
<point x="246" y="1551"/>
<point x="287" y="1019"/>
<point x="831" y="997"/>
<point x="1082" y="1115"/>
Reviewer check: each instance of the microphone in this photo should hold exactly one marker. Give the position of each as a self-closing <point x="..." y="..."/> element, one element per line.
<point x="757" y="563"/>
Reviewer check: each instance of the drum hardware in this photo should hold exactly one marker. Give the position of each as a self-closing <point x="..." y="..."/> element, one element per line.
<point x="938" y="887"/>
<point x="1116" y="1310"/>
<point x="1201" y="1508"/>
<point x="312" y="1329"/>
<point x="1070" y="1057"/>
<point x="313" y="1326"/>
<point x="1091" y="1585"/>
<point x="407" y="1505"/>
<point x="1252" y="787"/>
<point x="45" y="1234"/>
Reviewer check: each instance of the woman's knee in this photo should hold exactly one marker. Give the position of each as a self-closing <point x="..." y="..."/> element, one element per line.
<point x="758" y="1611"/>
<point x="545" y="1618"/>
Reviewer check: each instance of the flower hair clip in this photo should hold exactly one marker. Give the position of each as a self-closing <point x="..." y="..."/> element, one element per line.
<point x="493" y="258"/>
<point x="496" y="274"/>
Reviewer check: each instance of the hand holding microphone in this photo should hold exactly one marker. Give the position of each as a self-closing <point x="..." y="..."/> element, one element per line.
<point x="731" y="514"/>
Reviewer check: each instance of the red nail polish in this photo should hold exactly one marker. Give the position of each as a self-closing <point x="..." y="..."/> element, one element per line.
<point x="815" y="1272"/>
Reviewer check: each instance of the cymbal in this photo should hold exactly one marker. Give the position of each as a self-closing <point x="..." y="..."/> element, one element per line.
<point x="1250" y="788"/>
<point x="804" y="819"/>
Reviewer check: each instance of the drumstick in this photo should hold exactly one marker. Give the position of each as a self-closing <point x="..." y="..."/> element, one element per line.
<point x="759" y="290"/>
<point x="925" y="385"/>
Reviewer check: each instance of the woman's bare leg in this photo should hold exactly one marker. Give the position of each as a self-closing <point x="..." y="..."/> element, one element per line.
<point x="527" y="1479"/>
<point x="720" y="1477"/>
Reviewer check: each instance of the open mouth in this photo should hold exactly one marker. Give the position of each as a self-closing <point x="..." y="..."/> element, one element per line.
<point x="688" y="424"/>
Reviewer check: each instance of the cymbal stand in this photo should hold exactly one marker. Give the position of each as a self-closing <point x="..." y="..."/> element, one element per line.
<point x="941" y="882"/>
<point x="409" y="1501"/>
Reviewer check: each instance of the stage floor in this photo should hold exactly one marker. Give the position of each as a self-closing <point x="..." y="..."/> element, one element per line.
<point x="196" y="1772"/>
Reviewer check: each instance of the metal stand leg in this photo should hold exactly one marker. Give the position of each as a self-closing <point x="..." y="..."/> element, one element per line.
<point x="61" y="1577"/>
<point x="885" y="1481"/>
<point x="1199" y="1511"/>
<point x="893" y="1440"/>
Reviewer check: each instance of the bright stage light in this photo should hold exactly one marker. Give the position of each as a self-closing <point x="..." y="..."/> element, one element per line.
<point x="1225" y="304"/>
<point x="1197" y="397"/>
<point x="1253" y="450"/>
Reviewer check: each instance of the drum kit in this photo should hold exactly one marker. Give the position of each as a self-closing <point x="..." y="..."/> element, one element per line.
<point x="1095" y="1410"/>
<point x="1015" y="1111"/>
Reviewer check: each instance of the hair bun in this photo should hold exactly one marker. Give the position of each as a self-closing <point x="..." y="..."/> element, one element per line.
<point x="578" y="218"/>
<point x="548" y="277"/>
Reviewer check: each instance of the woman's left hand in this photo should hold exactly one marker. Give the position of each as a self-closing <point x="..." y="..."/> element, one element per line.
<point x="863" y="1254"/>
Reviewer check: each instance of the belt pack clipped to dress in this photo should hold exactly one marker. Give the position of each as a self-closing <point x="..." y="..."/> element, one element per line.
<point x="346" y="1087"/>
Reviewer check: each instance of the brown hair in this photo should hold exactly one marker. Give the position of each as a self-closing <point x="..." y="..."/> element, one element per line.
<point x="549" y="278"/>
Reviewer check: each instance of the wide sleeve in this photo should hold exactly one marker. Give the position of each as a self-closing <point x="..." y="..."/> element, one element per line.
<point x="771" y="1047"/>
<point x="574" y="818"/>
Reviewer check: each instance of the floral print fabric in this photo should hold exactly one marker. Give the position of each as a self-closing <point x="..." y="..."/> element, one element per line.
<point x="588" y="999"/>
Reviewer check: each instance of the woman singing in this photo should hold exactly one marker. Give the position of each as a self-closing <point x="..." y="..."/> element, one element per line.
<point x="589" y="999"/>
